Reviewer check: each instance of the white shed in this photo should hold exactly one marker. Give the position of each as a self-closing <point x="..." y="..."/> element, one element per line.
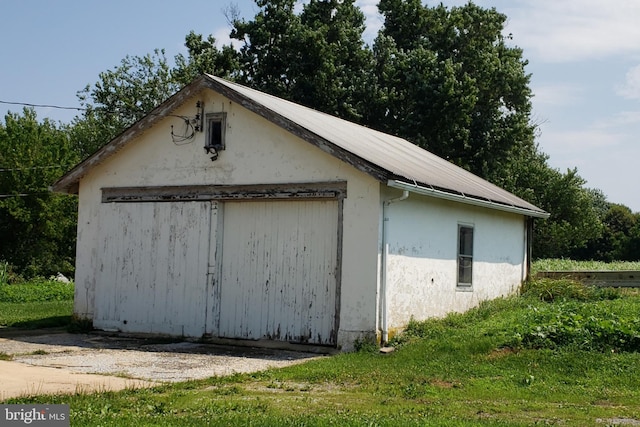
<point x="290" y="226"/>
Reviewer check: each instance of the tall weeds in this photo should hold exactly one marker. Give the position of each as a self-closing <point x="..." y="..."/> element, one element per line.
<point x="4" y="273"/>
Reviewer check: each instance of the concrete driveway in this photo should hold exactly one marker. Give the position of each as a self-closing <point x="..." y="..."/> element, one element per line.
<point x="53" y="361"/>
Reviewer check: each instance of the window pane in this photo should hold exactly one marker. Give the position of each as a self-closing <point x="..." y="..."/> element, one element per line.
<point x="465" y="255"/>
<point x="466" y="241"/>
<point x="465" y="271"/>
<point x="215" y="134"/>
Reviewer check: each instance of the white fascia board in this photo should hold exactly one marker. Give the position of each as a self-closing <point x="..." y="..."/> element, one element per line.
<point x="461" y="198"/>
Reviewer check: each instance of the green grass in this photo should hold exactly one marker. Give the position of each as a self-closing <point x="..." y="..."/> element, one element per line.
<point x="568" y="265"/>
<point x="465" y="370"/>
<point x="36" y="304"/>
<point x="33" y="315"/>
<point x="559" y="354"/>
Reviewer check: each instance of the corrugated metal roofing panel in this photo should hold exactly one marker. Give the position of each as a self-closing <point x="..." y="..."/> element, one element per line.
<point x="398" y="156"/>
<point x="384" y="156"/>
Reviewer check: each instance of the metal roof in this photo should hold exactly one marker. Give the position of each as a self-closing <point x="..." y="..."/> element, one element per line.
<point x="402" y="160"/>
<point x="388" y="158"/>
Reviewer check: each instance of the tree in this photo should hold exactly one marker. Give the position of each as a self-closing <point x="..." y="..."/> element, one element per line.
<point x="447" y="81"/>
<point x="575" y="210"/>
<point x="619" y="222"/>
<point x="269" y="49"/>
<point x="620" y="238"/>
<point x="120" y="98"/>
<point x="317" y="58"/>
<point x="444" y="78"/>
<point x="573" y="222"/>
<point x="632" y="252"/>
<point x="335" y="71"/>
<point x="204" y="57"/>
<point x="37" y="227"/>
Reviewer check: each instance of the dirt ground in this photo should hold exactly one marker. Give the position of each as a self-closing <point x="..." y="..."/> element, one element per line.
<point x="53" y="361"/>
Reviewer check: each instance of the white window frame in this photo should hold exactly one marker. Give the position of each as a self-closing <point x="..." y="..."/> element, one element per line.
<point x="463" y="258"/>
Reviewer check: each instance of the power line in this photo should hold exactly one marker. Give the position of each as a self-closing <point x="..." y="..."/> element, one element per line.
<point x="60" y="107"/>
<point x="26" y="104"/>
<point x="186" y="138"/>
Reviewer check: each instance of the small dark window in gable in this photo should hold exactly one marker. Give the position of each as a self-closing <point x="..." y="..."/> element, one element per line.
<point x="215" y="136"/>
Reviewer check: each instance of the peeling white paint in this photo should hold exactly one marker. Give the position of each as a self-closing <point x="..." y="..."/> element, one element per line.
<point x="422" y="268"/>
<point x="174" y="267"/>
<point x="151" y="257"/>
<point x="257" y="152"/>
<point x="279" y="264"/>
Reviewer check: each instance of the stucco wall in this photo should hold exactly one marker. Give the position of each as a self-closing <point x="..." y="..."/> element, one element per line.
<point x="257" y="152"/>
<point x="421" y="266"/>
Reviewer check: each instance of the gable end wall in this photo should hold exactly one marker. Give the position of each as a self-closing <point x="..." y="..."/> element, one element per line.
<point x="257" y="153"/>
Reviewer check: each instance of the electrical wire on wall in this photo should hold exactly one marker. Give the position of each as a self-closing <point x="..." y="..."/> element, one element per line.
<point x="187" y="133"/>
<point x="191" y="125"/>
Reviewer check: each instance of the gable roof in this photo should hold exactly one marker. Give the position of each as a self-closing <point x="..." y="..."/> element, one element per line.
<point x="387" y="158"/>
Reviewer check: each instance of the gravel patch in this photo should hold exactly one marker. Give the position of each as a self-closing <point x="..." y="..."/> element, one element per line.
<point x="143" y="358"/>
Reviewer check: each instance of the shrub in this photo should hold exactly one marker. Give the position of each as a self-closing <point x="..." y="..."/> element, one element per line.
<point x="593" y="326"/>
<point x="36" y="290"/>
<point x="569" y="265"/>
<point x="550" y="290"/>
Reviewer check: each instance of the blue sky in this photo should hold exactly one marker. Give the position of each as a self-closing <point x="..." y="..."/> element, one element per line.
<point x="584" y="57"/>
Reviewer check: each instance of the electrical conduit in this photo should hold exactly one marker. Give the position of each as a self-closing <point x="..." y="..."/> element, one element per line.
<point x="385" y="257"/>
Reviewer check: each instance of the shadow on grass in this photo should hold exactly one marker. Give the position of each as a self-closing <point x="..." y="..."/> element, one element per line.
<point x="47" y="322"/>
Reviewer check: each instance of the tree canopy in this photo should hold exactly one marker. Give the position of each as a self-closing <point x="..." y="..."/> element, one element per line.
<point x="204" y="57"/>
<point x="121" y="97"/>
<point x="37" y="227"/>
<point x="448" y="82"/>
<point x="446" y="79"/>
<point x="317" y="58"/>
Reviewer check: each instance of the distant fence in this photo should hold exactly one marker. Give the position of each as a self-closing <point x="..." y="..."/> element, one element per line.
<point x="616" y="279"/>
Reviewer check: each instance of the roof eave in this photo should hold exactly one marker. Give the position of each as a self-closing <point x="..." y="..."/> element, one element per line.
<point x="69" y="182"/>
<point x="461" y="198"/>
<point x="296" y="129"/>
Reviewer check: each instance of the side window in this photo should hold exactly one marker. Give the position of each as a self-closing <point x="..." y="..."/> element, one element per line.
<point x="216" y="125"/>
<point x="465" y="256"/>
